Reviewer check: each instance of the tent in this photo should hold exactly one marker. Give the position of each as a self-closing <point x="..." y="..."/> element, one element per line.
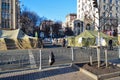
<point x="16" y="39"/>
<point x="87" y="38"/>
<point x="71" y="41"/>
<point x="119" y="39"/>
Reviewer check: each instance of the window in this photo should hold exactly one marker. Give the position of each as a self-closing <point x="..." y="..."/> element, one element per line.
<point x="104" y="1"/>
<point x="104" y="7"/>
<point x="110" y="8"/>
<point x="5" y="6"/>
<point x="116" y="8"/>
<point x="5" y="24"/>
<point x="110" y="1"/>
<point x="110" y="14"/>
<point x="116" y="2"/>
<point x="5" y="15"/>
<point x="104" y="21"/>
<point x="103" y="14"/>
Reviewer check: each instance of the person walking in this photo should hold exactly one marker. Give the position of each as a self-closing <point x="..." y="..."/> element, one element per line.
<point x="51" y="58"/>
<point x="110" y="44"/>
<point x="64" y="42"/>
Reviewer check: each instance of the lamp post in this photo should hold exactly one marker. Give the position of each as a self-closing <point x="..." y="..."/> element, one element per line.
<point x="51" y="32"/>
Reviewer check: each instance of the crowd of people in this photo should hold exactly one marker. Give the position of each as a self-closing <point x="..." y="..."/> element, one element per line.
<point x="111" y="33"/>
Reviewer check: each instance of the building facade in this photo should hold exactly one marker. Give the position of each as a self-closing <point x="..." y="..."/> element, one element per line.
<point x="85" y="11"/>
<point x="69" y="20"/>
<point x="78" y="27"/>
<point x="108" y="14"/>
<point x="9" y="14"/>
<point x="73" y="23"/>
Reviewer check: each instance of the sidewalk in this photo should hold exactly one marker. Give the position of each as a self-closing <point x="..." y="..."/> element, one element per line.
<point x="60" y="73"/>
<point x="115" y="78"/>
<point x="63" y="73"/>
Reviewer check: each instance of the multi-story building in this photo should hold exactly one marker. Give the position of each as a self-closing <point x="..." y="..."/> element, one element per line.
<point x="85" y="13"/>
<point x="69" y="20"/>
<point x="108" y="14"/>
<point x="9" y="14"/>
<point x="73" y="23"/>
<point x="119" y="13"/>
<point x="46" y="23"/>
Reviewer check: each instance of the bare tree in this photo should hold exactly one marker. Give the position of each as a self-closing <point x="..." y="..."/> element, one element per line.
<point x="28" y="21"/>
<point x="68" y="31"/>
<point x="56" y="27"/>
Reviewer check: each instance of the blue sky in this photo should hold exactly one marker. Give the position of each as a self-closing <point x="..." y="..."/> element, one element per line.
<point x="51" y="9"/>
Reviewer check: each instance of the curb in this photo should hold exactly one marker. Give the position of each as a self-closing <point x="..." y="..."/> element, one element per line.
<point x="97" y="77"/>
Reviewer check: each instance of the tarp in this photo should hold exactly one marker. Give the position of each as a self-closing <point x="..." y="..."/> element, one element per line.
<point x="16" y="39"/>
<point x="88" y="38"/>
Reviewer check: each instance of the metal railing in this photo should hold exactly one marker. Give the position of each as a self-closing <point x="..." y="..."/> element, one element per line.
<point x="39" y="58"/>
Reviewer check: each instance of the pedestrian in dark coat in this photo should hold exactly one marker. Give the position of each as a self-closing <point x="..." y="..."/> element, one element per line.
<point x="64" y="42"/>
<point x="110" y="44"/>
<point x="51" y="58"/>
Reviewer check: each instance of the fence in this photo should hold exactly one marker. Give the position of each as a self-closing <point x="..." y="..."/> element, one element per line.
<point x="39" y="58"/>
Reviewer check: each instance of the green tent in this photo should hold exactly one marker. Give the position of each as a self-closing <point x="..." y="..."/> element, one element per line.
<point x="17" y="39"/>
<point x="92" y="34"/>
<point x="119" y="39"/>
<point x="71" y="41"/>
<point x="87" y="38"/>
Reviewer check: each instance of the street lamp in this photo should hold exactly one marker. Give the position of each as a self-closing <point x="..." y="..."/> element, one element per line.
<point x="51" y="30"/>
